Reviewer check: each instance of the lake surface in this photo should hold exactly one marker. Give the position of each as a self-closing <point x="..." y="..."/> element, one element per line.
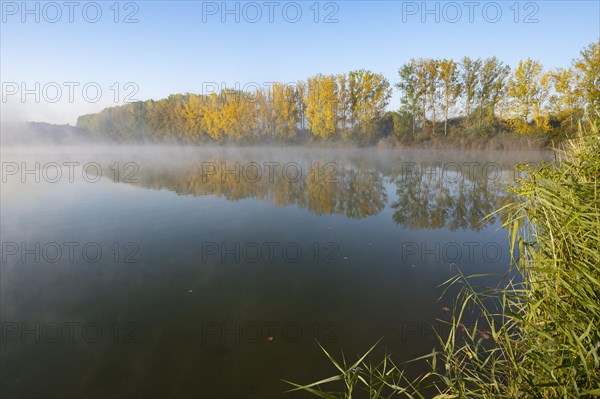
<point x="211" y="272"/>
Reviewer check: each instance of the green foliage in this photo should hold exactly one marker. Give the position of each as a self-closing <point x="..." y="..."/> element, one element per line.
<point x="486" y="98"/>
<point x="369" y="95"/>
<point x="588" y="66"/>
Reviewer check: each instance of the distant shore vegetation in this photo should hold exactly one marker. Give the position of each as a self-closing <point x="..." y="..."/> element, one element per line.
<point x="470" y="100"/>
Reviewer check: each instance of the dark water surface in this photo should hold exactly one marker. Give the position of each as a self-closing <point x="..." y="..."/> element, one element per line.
<point x="209" y="273"/>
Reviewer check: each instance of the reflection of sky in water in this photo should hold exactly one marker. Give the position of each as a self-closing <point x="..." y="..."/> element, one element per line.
<point x="385" y="275"/>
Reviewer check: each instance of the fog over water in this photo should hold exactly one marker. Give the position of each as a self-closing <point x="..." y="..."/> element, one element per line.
<point x="205" y="271"/>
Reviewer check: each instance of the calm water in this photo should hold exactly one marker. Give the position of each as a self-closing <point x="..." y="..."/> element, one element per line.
<point x="209" y="273"/>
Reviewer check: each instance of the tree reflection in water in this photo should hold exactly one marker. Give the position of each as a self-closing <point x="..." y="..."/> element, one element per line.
<point x="459" y="200"/>
<point x="426" y="196"/>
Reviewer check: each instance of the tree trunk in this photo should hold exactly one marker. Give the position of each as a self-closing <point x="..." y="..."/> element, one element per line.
<point x="446" y="119"/>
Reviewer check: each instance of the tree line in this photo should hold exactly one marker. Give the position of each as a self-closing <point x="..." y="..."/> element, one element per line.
<point x="439" y="97"/>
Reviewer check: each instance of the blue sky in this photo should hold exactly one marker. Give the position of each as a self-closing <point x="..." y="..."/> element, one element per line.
<point x="182" y="46"/>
